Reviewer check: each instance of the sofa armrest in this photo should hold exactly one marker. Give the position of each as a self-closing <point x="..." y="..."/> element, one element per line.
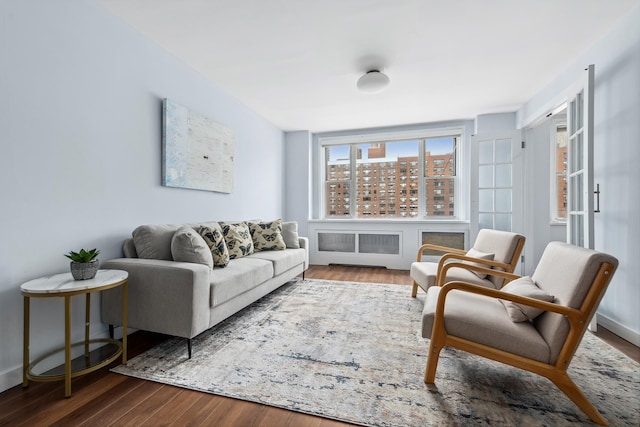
<point x="304" y="244"/>
<point x="167" y="297"/>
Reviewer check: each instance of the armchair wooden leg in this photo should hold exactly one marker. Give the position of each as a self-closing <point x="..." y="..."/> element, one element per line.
<point x="432" y="362"/>
<point x="568" y="387"/>
<point x="414" y="290"/>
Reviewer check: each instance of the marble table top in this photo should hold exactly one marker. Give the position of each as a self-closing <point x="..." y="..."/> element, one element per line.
<point x="64" y="282"/>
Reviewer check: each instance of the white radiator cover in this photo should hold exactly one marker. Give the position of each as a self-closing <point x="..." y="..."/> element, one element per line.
<point x="390" y="244"/>
<point x="368" y="243"/>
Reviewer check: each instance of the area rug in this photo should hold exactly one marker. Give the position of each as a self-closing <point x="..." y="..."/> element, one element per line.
<point x="353" y="352"/>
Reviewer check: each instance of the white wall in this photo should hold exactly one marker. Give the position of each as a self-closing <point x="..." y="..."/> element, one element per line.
<point x="617" y="159"/>
<point x="298" y="179"/>
<point x="80" y="128"/>
<point x="486" y="123"/>
<point x="538" y="170"/>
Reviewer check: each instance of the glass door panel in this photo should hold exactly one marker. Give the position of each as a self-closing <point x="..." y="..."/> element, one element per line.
<point x="580" y="161"/>
<point x="495" y="190"/>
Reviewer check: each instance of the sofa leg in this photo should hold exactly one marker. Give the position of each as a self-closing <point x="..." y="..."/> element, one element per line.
<point x="303" y="275"/>
<point x="189" y="347"/>
<point x="111" y="333"/>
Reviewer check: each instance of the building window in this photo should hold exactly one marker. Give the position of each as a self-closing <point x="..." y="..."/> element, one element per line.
<point x="424" y="168"/>
<point x="559" y="182"/>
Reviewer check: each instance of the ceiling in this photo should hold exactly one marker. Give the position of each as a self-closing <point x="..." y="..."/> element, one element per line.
<point x="296" y="62"/>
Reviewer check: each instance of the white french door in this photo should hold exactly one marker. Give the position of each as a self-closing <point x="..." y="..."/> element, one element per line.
<point x="580" y="221"/>
<point x="497" y="182"/>
<point x="580" y="211"/>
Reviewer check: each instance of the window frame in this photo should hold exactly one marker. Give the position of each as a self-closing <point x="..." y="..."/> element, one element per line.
<point x="371" y="138"/>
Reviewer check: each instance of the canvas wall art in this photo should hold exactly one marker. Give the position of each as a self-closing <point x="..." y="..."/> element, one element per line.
<point x="197" y="152"/>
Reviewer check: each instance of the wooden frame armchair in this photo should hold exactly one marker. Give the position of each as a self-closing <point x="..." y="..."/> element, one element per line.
<point x="500" y="250"/>
<point x="475" y="318"/>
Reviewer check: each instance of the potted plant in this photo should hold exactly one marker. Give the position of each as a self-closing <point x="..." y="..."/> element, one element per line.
<point x="84" y="264"/>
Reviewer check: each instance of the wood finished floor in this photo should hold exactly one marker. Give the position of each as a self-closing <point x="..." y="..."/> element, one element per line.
<point x="103" y="398"/>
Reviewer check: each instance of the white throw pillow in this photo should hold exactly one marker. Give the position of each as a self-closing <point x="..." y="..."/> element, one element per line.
<point x="154" y="241"/>
<point x="290" y="234"/>
<point x="188" y="246"/>
<point x="525" y="287"/>
<point x="474" y="253"/>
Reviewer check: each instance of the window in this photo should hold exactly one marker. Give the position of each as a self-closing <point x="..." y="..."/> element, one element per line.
<point x="559" y="181"/>
<point x="424" y="168"/>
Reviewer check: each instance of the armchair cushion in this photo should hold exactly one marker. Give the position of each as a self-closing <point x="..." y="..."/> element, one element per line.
<point x="525" y="287"/>
<point x="474" y="253"/>
<point x="425" y="273"/>
<point x="484" y="320"/>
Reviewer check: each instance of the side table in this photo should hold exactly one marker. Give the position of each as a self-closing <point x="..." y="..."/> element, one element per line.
<point x="63" y="285"/>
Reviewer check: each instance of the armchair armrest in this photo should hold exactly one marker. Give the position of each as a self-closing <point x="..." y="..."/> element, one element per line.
<point x="444" y="266"/>
<point x="438" y="248"/>
<point x="167" y="297"/>
<point x="575" y="317"/>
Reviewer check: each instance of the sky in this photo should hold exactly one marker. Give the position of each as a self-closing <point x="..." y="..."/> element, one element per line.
<point x="435" y="146"/>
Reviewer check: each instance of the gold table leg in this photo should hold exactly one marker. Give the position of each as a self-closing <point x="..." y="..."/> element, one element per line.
<point x="25" y="342"/>
<point x="67" y="346"/>
<point x="87" y="319"/>
<point x="125" y="303"/>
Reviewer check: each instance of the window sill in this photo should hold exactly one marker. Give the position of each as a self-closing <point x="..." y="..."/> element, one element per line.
<point x="388" y="221"/>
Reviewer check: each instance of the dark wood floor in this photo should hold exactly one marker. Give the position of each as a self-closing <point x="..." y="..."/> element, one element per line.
<point x="103" y="398"/>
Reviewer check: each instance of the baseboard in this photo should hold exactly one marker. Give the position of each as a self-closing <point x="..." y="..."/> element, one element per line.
<point x="10" y="378"/>
<point x="620" y="330"/>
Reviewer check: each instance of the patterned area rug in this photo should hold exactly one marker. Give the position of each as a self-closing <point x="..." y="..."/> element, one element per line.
<point x="353" y="352"/>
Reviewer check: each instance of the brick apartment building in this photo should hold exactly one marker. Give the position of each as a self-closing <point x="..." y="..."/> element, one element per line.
<point x="388" y="188"/>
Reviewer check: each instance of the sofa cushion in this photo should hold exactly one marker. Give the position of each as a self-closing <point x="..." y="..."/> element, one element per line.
<point x="525" y="287"/>
<point x="216" y="244"/>
<point x="282" y="260"/>
<point x="188" y="246"/>
<point x="290" y="234"/>
<point x="241" y="275"/>
<point x="154" y="241"/>
<point x="267" y="236"/>
<point x="238" y="239"/>
<point x="483" y="320"/>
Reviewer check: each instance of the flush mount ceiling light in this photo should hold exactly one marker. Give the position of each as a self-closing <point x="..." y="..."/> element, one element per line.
<point x="373" y="82"/>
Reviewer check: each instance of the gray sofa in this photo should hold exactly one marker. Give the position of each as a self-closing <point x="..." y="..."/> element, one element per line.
<point x="185" y="299"/>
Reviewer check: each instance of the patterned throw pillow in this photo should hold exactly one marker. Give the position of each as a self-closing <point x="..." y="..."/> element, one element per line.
<point x="267" y="236"/>
<point x="215" y="240"/>
<point x="238" y="239"/>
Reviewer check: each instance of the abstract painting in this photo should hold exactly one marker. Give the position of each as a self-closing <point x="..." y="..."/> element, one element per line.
<point x="197" y="152"/>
